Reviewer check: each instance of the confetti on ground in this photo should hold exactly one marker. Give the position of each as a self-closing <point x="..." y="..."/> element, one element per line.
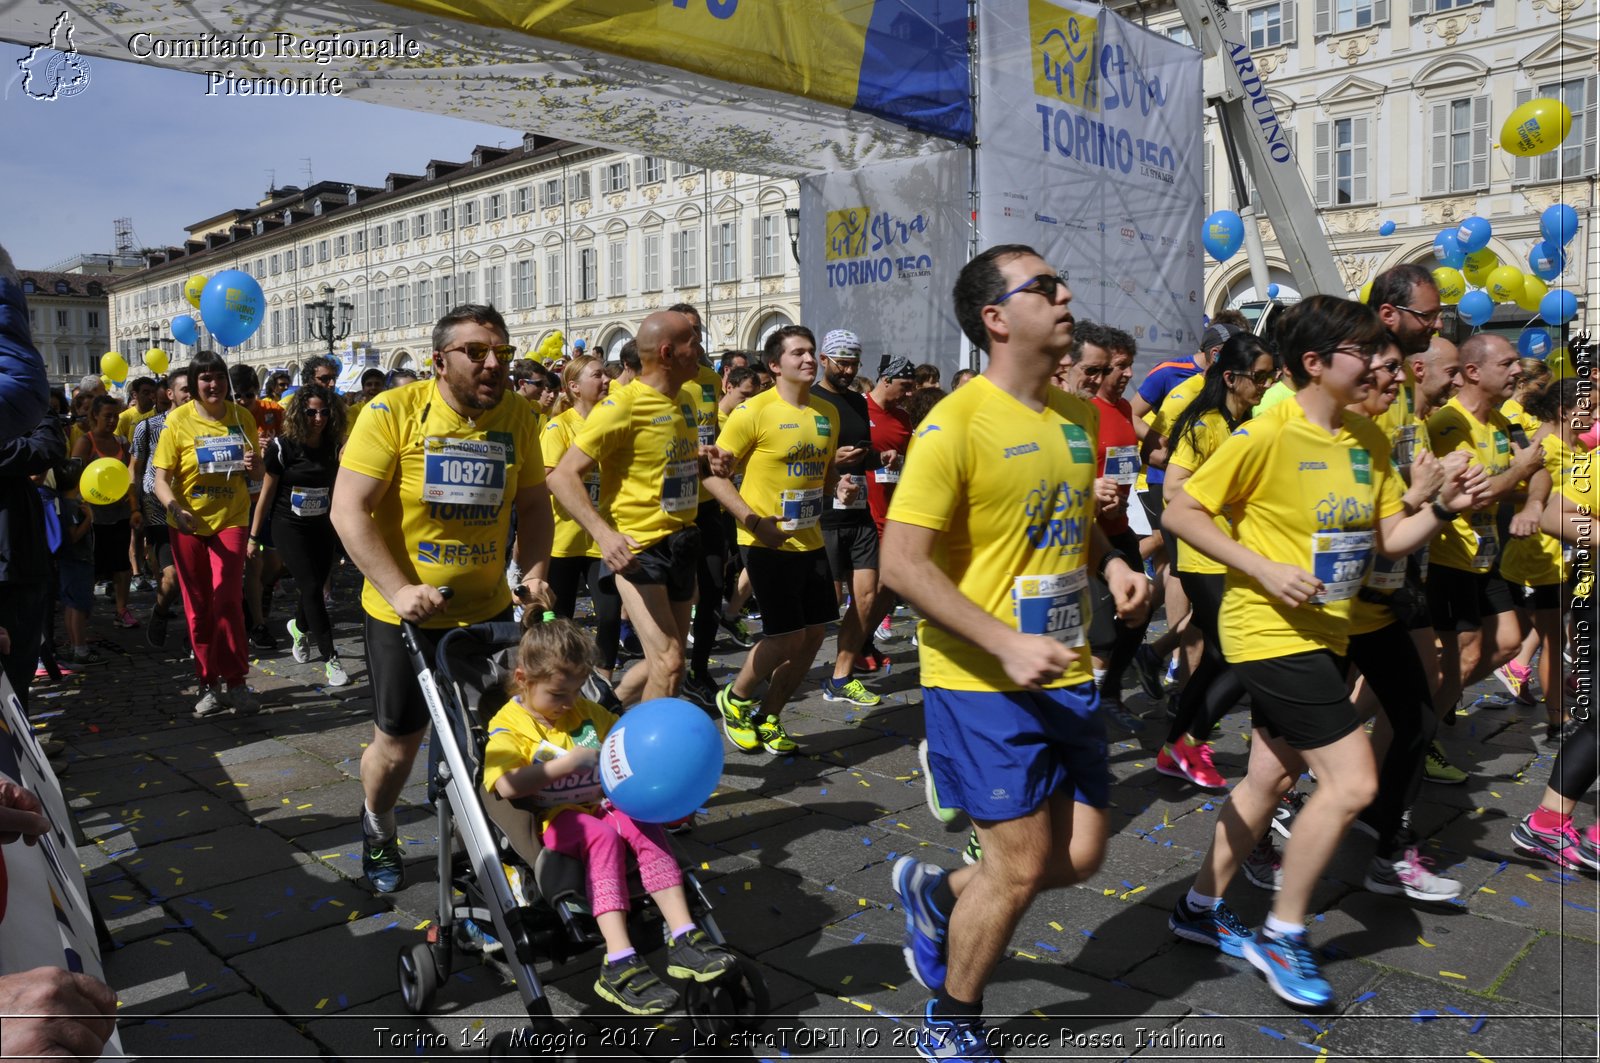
<point x="1425" y="944"/>
<point x="1270" y="1032"/>
<point x="1057" y="927"/>
<point x="1519" y="902"/>
<point x="1452" y="974"/>
<point x="1363" y="997"/>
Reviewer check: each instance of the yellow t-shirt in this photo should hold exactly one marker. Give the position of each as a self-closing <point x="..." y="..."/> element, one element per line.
<point x="649" y="456"/>
<point x="1190" y="453"/>
<point x="1401" y="411"/>
<point x="1010" y="492"/>
<point x="206" y="460"/>
<point x="1177" y="400"/>
<point x="706" y="390"/>
<point x="446" y="516"/>
<point x="1471" y="542"/>
<point x="130" y="417"/>
<point x="1388" y="575"/>
<point x="556" y="438"/>
<point x="784" y="452"/>
<point x="1537" y="560"/>
<point x="1301" y="497"/>
<point x="517" y="738"/>
<point x="1514" y="413"/>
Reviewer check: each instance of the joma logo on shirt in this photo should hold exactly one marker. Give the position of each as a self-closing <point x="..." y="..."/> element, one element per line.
<point x="663" y="419"/>
<point x="1026" y="448"/>
<point x="1312" y="466"/>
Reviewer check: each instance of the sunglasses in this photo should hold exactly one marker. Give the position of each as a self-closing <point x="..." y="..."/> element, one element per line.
<point x="326" y="381"/>
<point x="310" y="412"/>
<point x="1045" y="284"/>
<point x="479" y="352"/>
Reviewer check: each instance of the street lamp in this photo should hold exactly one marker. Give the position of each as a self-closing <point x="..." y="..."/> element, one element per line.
<point x="791" y="218"/>
<point x="329" y="319"/>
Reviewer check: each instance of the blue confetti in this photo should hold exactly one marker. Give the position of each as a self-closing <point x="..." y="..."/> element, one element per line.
<point x="858" y="939"/>
<point x="1519" y="902"/>
<point x="1479" y="1024"/>
<point x="1087" y="933"/>
<point x="1314" y="1027"/>
<point x="1580" y="907"/>
<point x="1046" y="946"/>
<point x="1270" y="1032"/>
<point x="1363" y="998"/>
<point x="823" y="791"/>
<point x="1425" y="1015"/>
<point x="866" y="841"/>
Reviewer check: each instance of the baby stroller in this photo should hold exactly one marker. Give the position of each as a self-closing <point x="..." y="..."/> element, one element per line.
<point x="463" y="687"/>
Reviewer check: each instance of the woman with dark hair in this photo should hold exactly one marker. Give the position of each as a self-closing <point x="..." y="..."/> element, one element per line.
<point x="204" y="461"/>
<point x="114" y="523"/>
<point x="1313" y="497"/>
<point x="296" y="496"/>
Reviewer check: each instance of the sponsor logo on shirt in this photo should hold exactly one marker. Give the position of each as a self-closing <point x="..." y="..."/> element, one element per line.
<point x="458" y="554"/>
<point x="1026" y="448"/>
<point x="1313" y="466"/>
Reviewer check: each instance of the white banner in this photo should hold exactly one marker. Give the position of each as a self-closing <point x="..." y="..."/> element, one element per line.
<point x="880" y="248"/>
<point x="1092" y="152"/>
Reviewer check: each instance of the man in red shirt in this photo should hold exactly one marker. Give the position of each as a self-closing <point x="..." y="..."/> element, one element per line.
<point x="891" y="431"/>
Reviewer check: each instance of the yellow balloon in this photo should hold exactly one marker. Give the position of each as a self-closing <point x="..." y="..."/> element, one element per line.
<point x="1478" y="266"/>
<point x="1452" y="285"/>
<point x="156" y="359"/>
<point x="104" y="481"/>
<point x="1559" y="363"/>
<point x="1366" y="291"/>
<point x="113" y="365"/>
<point x="1533" y="290"/>
<point x="1536" y="127"/>
<point x="192" y="289"/>
<point x="1505" y="284"/>
<point x="107" y="381"/>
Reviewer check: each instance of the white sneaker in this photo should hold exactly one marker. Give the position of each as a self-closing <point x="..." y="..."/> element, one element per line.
<point x="212" y="703"/>
<point x="1264" y="866"/>
<point x="243" y="699"/>
<point x="299" y="643"/>
<point x="885" y="631"/>
<point x="335" y="673"/>
<point x="1407" y="875"/>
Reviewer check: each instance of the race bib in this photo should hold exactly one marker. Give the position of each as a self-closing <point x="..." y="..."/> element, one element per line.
<point x="1387" y="576"/>
<point x="1405" y="447"/>
<point x="886" y="476"/>
<point x="310" y="501"/>
<point x="1340" y="561"/>
<point x="219" y="454"/>
<point x="579" y="788"/>
<point x="468" y="472"/>
<point x="708" y="434"/>
<point x="591" y="483"/>
<point x="1487" y="536"/>
<point x="799" y="508"/>
<point x="1056" y="606"/>
<point x="1122" y="465"/>
<point x="861" y="493"/>
<point x="680" y="486"/>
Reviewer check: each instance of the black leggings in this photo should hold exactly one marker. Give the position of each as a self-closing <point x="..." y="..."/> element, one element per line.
<point x="1388" y="658"/>
<point x="1108" y="635"/>
<point x="308" y="546"/>
<point x="567" y="574"/>
<point x="1213" y="688"/>
<point x="1578" y="765"/>
<point x="709" y="577"/>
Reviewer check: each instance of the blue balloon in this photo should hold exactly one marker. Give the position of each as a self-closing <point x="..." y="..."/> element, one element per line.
<point x="1546" y="260"/>
<point x="1223" y="234"/>
<point x="1386" y="229"/>
<point x="1447" y="249"/>
<point x="1474" y="233"/>
<point x="232" y="306"/>
<point x="1272" y="291"/>
<point x="1475" y="307"/>
<point x="1534" y="343"/>
<point x="1558" y="224"/>
<point x="661" y="760"/>
<point x="1558" y="306"/>
<point x="185" y="331"/>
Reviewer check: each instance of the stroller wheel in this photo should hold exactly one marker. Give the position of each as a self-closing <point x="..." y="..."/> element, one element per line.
<point x="736" y="1001"/>
<point x="419" y="978"/>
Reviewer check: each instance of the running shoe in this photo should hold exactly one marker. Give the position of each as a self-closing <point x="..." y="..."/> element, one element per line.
<point x="478" y="939"/>
<point x="212" y="703"/>
<point x="1493" y="701"/>
<point x="628" y="647"/>
<point x="1291" y="969"/>
<point x="694" y="956"/>
<point x="1264" y="866"/>
<point x="1169" y="681"/>
<point x="974" y="849"/>
<point x="736" y="723"/>
<point x="699" y="688"/>
<point x="155" y="630"/>
<point x="1219" y="927"/>
<point x="383" y="864"/>
<point x="737" y="630"/>
<point x="851" y="690"/>
<point x="1561" y="847"/>
<point x="1589" y="846"/>
<point x="1187" y="759"/>
<point x="127" y="619"/>
<point x="885" y="632"/>
<point x="1289" y="806"/>
<point x="773" y="738"/>
<point x="872" y="663"/>
<point x="79" y="661"/>
<point x="1408" y="875"/>
<point x="931" y="790"/>
<point x="925" y="949"/>
<point x="299" y="643"/>
<point x="1437" y="768"/>
<point x="243" y="700"/>
<point x="1549" y="743"/>
<point x="948" y="1041"/>
<point x="144" y="583"/>
<point x="1514" y="677"/>
<point x="261" y="638"/>
<point x="1147" y="668"/>
<point x="631" y="985"/>
<point x="1118" y="714"/>
<point x="333" y="671"/>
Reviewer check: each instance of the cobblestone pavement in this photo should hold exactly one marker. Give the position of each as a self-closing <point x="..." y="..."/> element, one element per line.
<point x="223" y="855"/>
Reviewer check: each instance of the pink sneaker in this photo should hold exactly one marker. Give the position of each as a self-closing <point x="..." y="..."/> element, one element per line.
<point x="1589" y="846"/>
<point x="1562" y="846"/>
<point x="127" y="619"/>
<point x="1182" y="760"/>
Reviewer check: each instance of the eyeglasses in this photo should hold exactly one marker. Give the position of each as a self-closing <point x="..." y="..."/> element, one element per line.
<point x="313" y="412"/>
<point x="1391" y="367"/>
<point x="1429" y="317"/>
<point x="1364" y="353"/>
<point x="1045" y="284"/>
<point x="479" y="352"/>
<point x="326" y="381"/>
<point x="1093" y="370"/>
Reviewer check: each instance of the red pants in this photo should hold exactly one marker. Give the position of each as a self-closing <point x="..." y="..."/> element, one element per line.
<point x="211" y="576"/>
<point x="601" y="839"/>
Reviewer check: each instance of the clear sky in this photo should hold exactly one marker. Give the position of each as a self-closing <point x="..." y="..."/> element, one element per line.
<point x="147" y="144"/>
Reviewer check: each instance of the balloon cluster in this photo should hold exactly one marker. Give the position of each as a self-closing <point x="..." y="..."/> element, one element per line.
<point x="231" y="305"/>
<point x="551" y="349"/>
<point x="1465" y="260"/>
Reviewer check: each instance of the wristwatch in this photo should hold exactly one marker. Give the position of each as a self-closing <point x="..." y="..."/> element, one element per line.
<point x="1443" y="514"/>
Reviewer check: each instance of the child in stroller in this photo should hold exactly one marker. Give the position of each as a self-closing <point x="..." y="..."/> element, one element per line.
<point x="542" y="756"/>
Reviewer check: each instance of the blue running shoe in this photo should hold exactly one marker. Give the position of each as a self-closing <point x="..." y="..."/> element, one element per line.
<point x="1219" y="927"/>
<point x="925" y="927"/>
<point x="383" y="864"/>
<point x="1291" y="969"/>
<point x="952" y="1042"/>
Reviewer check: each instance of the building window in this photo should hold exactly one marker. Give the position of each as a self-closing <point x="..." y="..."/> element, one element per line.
<point x="494" y="286"/>
<point x="770" y="237"/>
<point x="1342" y="16"/>
<point x="259" y="273"/>
<point x="341" y="246"/>
<point x="550" y="192"/>
<point x="324" y="250"/>
<point x="588" y="274"/>
<point x="494" y="207"/>
<point x="424" y="302"/>
<point x="292" y="323"/>
<point x="522" y="284"/>
<point x="402" y="305"/>
<point x="617" y="268"/>
<point x="1428" y="7"/>
<point x="1272" y="25"/>
<point x="552" y="279"/>
<point x="380" y="237"/>
<point x="725" y="251"/>
<point x="61" y="319"/>
<point x="93" y="322"/>
<point x="650" y="280"/>
<point x="1576" y="156"/>
<point x="467" y="286"/>
<point x="399" y="231"/>
<point x="277" y="327"/>
<point x="444" y="219"/>
<point x="1459" y="160"/>
<point x="305" y="257"/>
<point x="360" y="325"/>
<point x="469" y="213"/>
<point x="655" y="170"/>
<point x="447" y="294"/>
<point x="1341" y="162"/>
<point x="684" y="169"/>
<point x="686" y="258"/>
<point x="616" y="177"/>
<point x="64" y="360"/>
<point x="1181" y="34"/>
<point x="360" y="241"/>
<point x="578" y="185"/>
<point x="273" y="264"/>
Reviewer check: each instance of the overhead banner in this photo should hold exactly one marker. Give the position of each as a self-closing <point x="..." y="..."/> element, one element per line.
<point x="880" y="248"/>
<point x="1091" y="151"/>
